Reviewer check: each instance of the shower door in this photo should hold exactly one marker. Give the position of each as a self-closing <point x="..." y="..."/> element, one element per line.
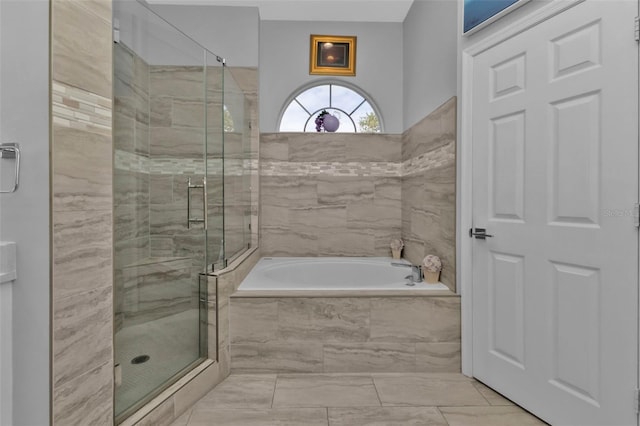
<point x="168" y="207"/>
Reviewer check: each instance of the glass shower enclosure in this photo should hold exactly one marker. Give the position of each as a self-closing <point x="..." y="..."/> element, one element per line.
<point x="180" y="186"/>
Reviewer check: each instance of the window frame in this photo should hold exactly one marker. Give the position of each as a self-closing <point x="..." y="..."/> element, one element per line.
<point x="293" y="98"/>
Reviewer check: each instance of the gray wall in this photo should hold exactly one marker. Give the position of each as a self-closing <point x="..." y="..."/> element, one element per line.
<point x="231" y="32"/>
<point x="24" y="218"/>
<point x="430" y="52"/>
<point x="284" y="66"/>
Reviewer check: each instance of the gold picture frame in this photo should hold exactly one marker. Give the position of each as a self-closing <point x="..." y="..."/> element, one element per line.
<point x="332" y="55"/>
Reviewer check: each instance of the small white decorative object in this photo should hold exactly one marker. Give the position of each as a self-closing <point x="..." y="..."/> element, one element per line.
<point x="396" y="247"/>
<point x="431" y="266"/>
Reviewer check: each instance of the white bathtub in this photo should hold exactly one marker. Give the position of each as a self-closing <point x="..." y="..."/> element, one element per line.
<point x="330" y="273"/>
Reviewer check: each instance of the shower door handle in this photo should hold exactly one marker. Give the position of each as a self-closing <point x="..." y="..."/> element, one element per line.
<point x="190" y="219"/>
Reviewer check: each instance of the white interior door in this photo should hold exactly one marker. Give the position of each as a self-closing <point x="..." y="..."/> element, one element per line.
<point x="555" y="179"/>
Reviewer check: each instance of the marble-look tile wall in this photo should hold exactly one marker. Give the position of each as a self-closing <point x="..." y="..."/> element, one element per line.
<point x="131" y="184"/>
<point x="177" y="134"/>
<point x="82" y="203"/>
<point x="429" y="190"/>
<point x="240" y="151"/>
<point x="131" y="137"/>
<point x="325" y="194"/>
<point x="177" y="130"/>
<point x="365" y="334"/>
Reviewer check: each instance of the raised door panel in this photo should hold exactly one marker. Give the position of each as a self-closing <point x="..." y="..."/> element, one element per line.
<point x="506" y="308"/>
<point x="507" y="158"/>
<point x="576" y="322"/>
<point x="574" y="186"/>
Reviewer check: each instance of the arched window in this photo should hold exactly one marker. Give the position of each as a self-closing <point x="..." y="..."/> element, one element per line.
<point x="355" y="112"/>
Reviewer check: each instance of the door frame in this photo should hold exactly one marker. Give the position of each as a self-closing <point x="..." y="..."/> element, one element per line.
<point x="464" y="178"/>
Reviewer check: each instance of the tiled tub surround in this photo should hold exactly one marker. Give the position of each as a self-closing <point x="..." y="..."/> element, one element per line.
<point x="329" y="194"/>
<point x="340" y="194"/>
<point x="327" y="334"/>
<point x="429" y="193"/>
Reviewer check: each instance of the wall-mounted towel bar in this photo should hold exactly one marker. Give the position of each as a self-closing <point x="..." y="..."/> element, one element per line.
<point x="11" y="151"/>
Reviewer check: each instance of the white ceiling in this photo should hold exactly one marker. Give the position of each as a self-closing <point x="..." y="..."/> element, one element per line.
<point x="314" y="10"/>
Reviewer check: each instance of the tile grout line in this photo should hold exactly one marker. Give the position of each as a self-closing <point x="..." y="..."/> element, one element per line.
<point x="327" y="411"/>
<point x="443" y="416"/>
<point x="190" y="415"/>
<point x="376" y="389"/>
<point x="481" y="394"/>
<point x="273" y="395"/>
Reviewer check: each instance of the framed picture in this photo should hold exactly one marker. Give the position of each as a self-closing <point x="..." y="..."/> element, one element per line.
<point x="480" y="13"/>
<point x="333" y="55"/>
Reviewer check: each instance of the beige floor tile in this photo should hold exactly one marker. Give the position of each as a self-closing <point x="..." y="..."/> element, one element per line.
<point x="260" y="417"/>
<point x="427" y="390"/>
<point x="493" y="397"/>
<point x="386" y="416"/>
<point x="240" y="391"/>
<point x="325" y="390"/>
<point x="489" y="416"/>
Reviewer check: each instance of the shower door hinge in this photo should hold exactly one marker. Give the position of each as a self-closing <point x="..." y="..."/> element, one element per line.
<point x="636" y="215"/>
<point x="117" y="374"/>
<point x="116" y="30"/>
<point x="637" y="28"/>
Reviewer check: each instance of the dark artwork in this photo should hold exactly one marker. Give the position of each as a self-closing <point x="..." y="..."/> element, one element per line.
<point x="335" y="55"/>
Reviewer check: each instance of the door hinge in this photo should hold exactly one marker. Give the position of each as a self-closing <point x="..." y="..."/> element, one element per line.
<point x="636" y="215"/>
<point x="637" y="28"/>
<point x="636" y="400"/>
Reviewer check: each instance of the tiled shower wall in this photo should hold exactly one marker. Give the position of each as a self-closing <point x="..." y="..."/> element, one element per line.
<point x="131" y="144"/>
<point x="81" y="190"/>
<point x="160" y="128"/>
<point x="329" y="194"/>
<point x="326" y="194"/>
<point x="177" y="128"/>
<point x="429" y="190"/>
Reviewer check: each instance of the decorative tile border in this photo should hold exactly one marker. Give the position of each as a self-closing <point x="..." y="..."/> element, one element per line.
<point x="175" y="166"/>
<point x="127" y="161"/>
<point x="238" y="167"/>
<point x="329" y="168"/>
<point x="428" y="161"/>
<point x="76" y="108"/>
